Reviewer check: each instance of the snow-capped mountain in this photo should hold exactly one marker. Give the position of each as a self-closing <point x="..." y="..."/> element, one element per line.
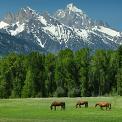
<point x="66" y="28"/>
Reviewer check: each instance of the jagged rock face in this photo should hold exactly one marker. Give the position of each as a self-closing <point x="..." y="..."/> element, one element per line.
<point x="68" y="28"/>
<point x="21" y="16"/>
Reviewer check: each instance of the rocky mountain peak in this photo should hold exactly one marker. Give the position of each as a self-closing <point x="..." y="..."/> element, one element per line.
<point x="27" y="10"/>
<point x="73" y="8"/>
<point x="73" y="17"/>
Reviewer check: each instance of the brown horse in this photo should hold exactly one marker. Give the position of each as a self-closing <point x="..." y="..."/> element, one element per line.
<point x="104" y="104"/>
<point x="80" y="102"/>
<point x="56" y="103"/>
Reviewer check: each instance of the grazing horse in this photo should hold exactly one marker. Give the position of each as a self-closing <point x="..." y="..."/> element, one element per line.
<point x="56" y="103"/>
<point x="104" y="104"/>
<point x="80" y="102"/>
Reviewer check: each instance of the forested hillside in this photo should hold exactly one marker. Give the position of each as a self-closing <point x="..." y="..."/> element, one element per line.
<point x="66" y="73"/>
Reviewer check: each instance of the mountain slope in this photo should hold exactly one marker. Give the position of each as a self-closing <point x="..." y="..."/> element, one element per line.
<point x="10" y="44"/>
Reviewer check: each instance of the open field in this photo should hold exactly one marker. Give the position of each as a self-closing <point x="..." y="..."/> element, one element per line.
<point x="37" y="110"/>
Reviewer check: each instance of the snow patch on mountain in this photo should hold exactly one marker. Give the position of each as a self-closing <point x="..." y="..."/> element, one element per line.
<point x="3" y="24"/>
<point x="107" y="31"/>
<point x="59" y="32"/>
<point x="82" y="33"/>
<point x="42" y="20"/>
<point x="60" y="13"/>
<point x="19" y="29"/>
<point x="39" y="41"/>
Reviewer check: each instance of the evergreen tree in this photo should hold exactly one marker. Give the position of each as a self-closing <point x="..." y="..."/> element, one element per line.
<point x="28" y="89"/>
<point x="119" y="82"/>
<point x="83" y="63"/>
<point x="5" y="79"/>
<point x="18" y="76"/>
<point x="50" y="73"/>
<point x="35" y="62"/>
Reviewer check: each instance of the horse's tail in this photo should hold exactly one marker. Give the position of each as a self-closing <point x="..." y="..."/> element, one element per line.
<point x="109" y="105"/>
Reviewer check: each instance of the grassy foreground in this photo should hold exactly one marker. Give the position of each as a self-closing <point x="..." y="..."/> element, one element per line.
<point x="37" y="110"/>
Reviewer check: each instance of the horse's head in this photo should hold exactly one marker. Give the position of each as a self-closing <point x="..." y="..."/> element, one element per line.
<point x="96" y="104"/>
<point x="62" y="105"/>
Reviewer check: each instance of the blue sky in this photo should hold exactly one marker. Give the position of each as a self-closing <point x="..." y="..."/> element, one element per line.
<point x="107" y="10"/>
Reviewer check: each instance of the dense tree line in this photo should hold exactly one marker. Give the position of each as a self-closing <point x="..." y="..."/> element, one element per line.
<point x="63" y="74"/>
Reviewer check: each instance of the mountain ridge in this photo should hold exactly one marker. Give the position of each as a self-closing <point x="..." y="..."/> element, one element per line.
<point x="66" y="28"/>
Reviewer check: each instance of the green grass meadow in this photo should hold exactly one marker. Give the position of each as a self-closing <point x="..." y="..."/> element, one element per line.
<point x="38" y="110"/>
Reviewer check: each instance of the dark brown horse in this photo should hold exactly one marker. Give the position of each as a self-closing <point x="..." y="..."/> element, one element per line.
<point x="103" y="104"/>
<point x="56" y="103"/>
<point x="80" y="102"/>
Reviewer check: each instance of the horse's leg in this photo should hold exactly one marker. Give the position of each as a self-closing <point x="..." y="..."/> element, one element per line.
<point x="55" y="107"/>
<point x="61" y="107"/>
<point x="101" y="107"/>
<point x="109" y="106"/>
<point x="80" y="106"/>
